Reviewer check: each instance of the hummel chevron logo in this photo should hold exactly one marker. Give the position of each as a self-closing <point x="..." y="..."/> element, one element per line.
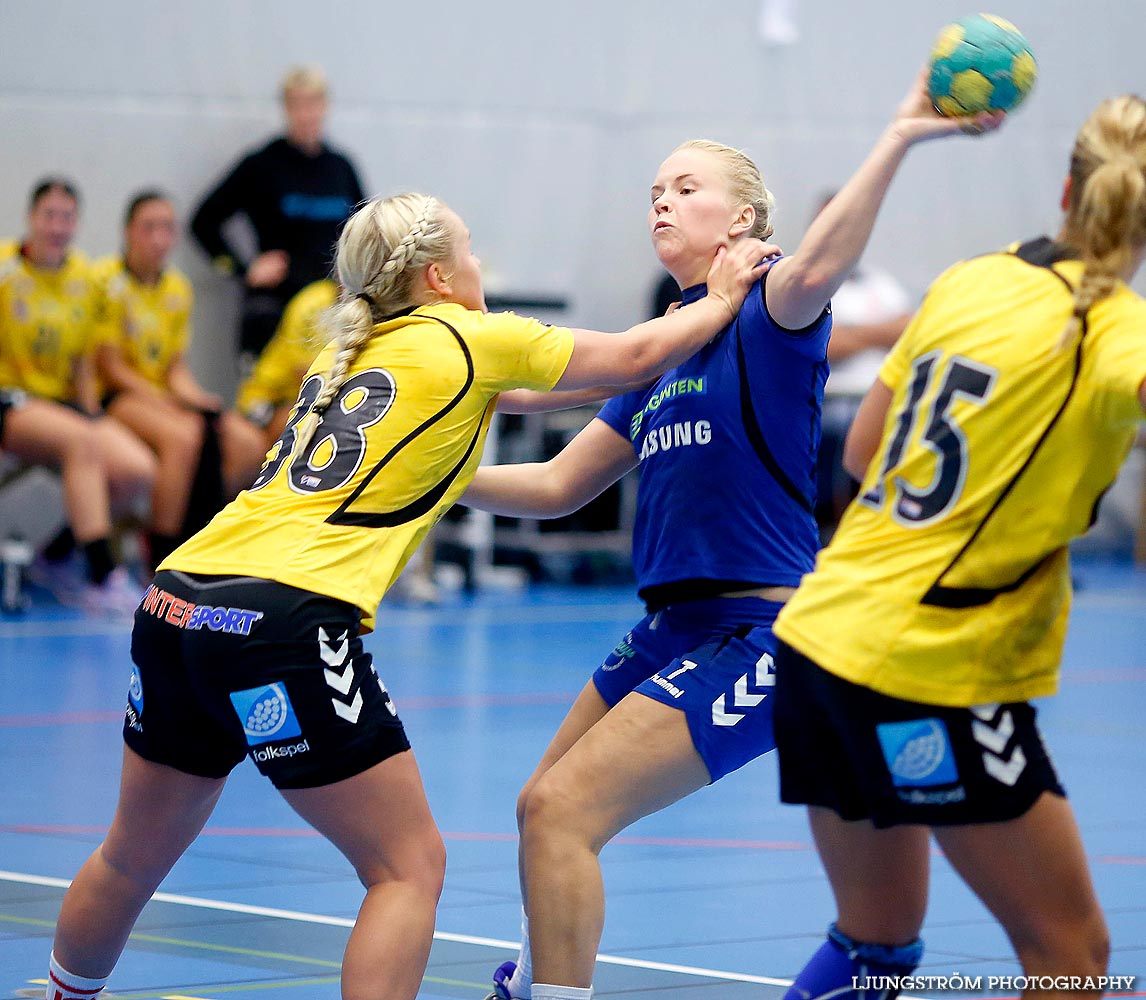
<point x="1006" y="771"/>
<point x="340" y="682"/>
<point x="333" y="654"/>
<point x="348" y="712"/>
<point x="994" y="739"/>
<point x="745" y="696"/>
<point x="992" y="730"/>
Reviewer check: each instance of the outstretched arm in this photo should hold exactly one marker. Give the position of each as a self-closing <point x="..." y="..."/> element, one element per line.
<point x="638" y="355"/>
<point x="800" y="286"/>
<point x="589" y="464"/>
<point x="759" y="257"/>
<point x="532" y="401"/>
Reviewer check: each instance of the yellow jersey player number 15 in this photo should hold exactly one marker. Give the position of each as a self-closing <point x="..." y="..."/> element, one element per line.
<point x="911" y="655"/>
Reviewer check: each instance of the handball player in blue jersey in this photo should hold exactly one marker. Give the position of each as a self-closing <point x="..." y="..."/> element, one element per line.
<point x="726" y="443"/>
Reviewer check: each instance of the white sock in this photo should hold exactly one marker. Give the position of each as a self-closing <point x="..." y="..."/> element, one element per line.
<point x="64" y="985"/>
<point x="545" y="991"/>
<point x="521" y="982"/>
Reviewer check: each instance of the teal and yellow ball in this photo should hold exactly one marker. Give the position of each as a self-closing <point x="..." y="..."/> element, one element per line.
<point x="980" y="63"/>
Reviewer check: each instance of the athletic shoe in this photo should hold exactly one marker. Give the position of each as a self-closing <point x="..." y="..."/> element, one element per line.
<point x="412" y="589"/>
<point x="501" y="980"/>
<point x="117" y="597"/>
<point x="63" y="578"/>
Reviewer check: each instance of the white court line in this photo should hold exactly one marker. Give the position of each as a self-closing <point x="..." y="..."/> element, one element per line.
<point x="317" y="918"/>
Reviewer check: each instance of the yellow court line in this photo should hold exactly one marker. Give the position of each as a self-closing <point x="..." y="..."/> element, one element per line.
<point x="234" y="950"/>
<point x="320" y="919"/>
<point x="236" y="988"/>
<point x="200" y="945"/>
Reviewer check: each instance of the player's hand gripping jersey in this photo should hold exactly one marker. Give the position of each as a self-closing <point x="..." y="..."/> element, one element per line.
<point x="395" y="449"/>
<point x="948" y="581"/>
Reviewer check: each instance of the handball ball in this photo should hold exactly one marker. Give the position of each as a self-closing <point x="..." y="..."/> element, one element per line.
<point x="980" y="63"/>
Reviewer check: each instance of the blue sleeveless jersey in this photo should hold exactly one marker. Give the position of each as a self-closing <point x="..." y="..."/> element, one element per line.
<point x="727" y="445"/>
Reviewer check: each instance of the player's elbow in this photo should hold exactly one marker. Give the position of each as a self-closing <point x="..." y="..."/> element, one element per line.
<point x="557" y="495"/>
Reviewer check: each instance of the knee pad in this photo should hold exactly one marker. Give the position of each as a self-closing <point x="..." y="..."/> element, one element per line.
<point x="843" y="967"/>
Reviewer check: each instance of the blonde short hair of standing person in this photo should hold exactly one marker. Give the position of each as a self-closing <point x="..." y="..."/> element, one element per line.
<point x="309" y="79"/>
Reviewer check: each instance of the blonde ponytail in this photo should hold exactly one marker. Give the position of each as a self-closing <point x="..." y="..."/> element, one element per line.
<point x="1106" y="218"/>
<point x="381" y="251"/>
<point x="354" y="321"/>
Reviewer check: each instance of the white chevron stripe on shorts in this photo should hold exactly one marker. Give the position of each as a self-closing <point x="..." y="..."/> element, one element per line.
<point x="764" y="677"/>
<point x="992" y="730"/>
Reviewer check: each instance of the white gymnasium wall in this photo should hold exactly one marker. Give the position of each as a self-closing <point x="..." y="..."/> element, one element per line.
<point x="541" y="123"/>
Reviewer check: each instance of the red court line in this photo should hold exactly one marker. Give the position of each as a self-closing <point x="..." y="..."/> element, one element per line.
<point x="275" y="831"/>
<point x="466" y="700"/>
<point x="414" y="703"/>
<point x="477" y="835"/>
<point x="752" y="845"/>
<point x="60" y="829"/>
<point x="1102" y="675"/>
<point x="58" y="719"/>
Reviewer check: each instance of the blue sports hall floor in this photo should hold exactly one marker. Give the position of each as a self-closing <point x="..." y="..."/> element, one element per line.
<point x="720" y="896"/>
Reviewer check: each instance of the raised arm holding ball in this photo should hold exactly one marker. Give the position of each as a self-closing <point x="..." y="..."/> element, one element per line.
<point x="724" y="531"/>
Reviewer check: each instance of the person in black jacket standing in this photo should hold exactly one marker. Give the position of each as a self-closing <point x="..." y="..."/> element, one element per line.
<point x="296" y="192"/>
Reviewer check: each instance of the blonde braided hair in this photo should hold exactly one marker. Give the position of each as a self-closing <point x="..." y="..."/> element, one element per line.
<point x="382" y="249"/>
<point x="745" y="183"/>
<point x="1106" y="217"/>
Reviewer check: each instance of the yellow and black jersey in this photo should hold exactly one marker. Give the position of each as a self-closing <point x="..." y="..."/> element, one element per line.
<point x="948" y="581"/>
<point x="395" y="449"/>
<point x="47" y="322"/>
<point x="150" y="325"/>
<point x="275" y="379"/>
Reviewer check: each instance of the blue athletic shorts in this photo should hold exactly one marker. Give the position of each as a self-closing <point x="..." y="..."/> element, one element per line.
<point x="711" y="659"/>
<point x="230" y="666"/>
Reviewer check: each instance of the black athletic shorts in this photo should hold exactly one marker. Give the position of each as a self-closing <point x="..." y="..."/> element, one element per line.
<point x="226" y="666"/>
<point x="10" y="399"/>
<point x="866" y="755"/>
